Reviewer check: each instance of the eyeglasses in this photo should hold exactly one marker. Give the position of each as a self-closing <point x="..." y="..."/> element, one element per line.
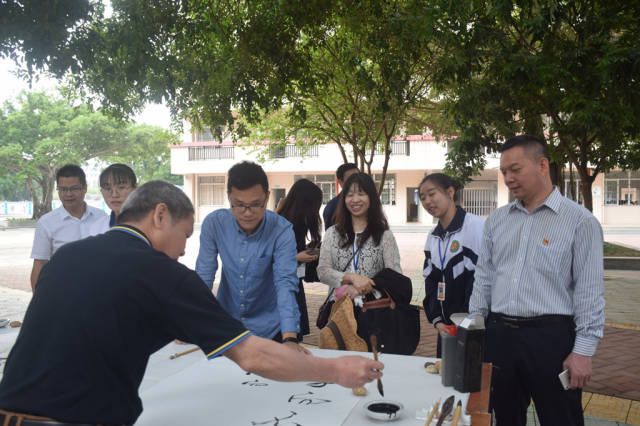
<point x="74" y="189"/>
<point x="241" y="208"/>
<point x="114" y="190"/>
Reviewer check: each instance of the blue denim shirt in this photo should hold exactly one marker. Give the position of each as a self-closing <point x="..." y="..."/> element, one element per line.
<point x="258" y="284"/>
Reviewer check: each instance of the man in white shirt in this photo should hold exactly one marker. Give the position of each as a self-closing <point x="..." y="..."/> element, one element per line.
<point x="72" y="221"/>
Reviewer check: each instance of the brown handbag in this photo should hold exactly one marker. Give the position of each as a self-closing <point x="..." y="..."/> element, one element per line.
<point x="383" y="302"/>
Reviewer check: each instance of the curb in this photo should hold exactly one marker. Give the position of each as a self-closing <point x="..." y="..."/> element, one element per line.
<point x="622" y="263"/>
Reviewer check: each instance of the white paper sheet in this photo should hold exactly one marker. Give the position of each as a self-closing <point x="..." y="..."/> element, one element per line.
<point x="218" y="392"/>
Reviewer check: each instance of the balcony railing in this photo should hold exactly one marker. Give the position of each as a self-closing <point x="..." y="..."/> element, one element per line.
<point x="397" y="148"/>
<point x="291" y="151"/>
<point x="198" y="153"/>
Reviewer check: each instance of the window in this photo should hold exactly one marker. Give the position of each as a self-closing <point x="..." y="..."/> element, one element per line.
<point x="576" y="190"/>
<point x="396" y="148"/>
<point x="480" y="197"/>
<point x="623" y="191"/>
<point x="206" y="135"/>
<point x="327" y="184"/>
<point x="203" y="135"/>
<point x="388" y="195"/>
<point x="210" y="190"/>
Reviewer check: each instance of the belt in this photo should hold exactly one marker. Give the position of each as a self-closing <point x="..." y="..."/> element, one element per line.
<point x="7" y="418"/>
<point x="539" y="321"/>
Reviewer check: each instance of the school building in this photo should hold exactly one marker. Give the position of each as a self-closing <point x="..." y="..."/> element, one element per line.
<point x="204" y="163"/>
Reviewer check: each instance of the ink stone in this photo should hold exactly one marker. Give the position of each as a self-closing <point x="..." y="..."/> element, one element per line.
<point x="389" y="409"/>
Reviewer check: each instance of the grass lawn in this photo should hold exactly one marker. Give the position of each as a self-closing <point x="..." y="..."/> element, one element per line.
<point x="614" y="250"/>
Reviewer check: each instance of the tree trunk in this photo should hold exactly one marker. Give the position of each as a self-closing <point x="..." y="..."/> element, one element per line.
<point x="37" y="205"/>
<point x="587" y="198"/>
<point x="48" y="185"/>
<point x="555" y="172"/>
<point x="387" y="154"/>
<point x="47" y="182"/>
<point x="585" y="186"/>
<point x="572" y="189"/>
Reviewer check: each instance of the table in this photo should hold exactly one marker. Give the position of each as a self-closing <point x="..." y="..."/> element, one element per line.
<point x="191" y="390"/>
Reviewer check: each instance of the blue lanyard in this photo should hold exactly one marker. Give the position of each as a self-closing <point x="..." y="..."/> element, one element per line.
<point x="356" y="255"/>
<point x="131" y="232"/>
<point x="443" y="258"/>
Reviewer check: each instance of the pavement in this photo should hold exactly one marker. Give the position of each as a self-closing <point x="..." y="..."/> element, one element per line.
<point x="612" y="397"/>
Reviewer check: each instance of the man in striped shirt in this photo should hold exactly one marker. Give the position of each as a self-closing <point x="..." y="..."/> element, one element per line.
<point x="539" y="283"/>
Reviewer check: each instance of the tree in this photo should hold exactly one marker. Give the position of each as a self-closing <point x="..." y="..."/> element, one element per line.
<point x="146" y="150"/>
<point x="566" y="71"/>
<point x="41" y="133"/>
<point x="12" y="188"/>
<point x="352" y="72"/>
<point x="38" y="34"/>
<point x="366" y="81"/>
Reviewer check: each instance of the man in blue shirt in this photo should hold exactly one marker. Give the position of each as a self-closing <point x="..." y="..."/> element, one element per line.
<point x="257" y="248"/>
<point x="344" y="171"/>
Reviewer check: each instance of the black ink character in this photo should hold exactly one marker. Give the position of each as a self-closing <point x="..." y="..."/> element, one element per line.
<point x="317" y="384"/>
<point x="307" y="401"/>
<point x="276" y="420"/>
<point x="255" y="382"/>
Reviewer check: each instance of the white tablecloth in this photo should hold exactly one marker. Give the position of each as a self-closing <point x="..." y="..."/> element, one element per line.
<point x="193" y="391"/>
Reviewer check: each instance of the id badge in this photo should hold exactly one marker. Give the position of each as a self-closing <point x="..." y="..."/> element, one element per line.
<point x="441" y="290"/>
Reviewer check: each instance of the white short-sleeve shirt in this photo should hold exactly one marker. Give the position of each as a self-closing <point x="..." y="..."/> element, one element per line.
<point x="59" y="227"/>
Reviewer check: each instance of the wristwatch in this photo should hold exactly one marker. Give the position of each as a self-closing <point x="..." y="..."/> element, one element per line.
<point x="290" y="339"/>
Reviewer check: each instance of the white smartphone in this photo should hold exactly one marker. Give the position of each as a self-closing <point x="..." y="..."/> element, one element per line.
<point x="564" y="379"/>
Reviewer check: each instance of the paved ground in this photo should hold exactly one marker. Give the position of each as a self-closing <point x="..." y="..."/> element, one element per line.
<point x="612" y="396"/>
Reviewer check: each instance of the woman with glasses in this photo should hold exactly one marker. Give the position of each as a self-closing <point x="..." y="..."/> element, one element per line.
<point x="301" y="207"/>
<point x="451" y="252"/>
<point x="116" y="183"/>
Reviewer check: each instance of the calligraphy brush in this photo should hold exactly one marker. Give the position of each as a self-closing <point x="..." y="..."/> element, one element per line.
<point x="446" y="409"/>
<point x="174" y="356"/>
<point x="434" y="410"/>
<point x="374" y="345"/>
<point x="456" y="414"/>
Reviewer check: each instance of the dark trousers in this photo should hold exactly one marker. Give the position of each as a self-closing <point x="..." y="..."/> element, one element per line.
<point x="527" y="357"/>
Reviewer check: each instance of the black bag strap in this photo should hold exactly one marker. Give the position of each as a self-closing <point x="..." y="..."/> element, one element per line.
<point x="336" y="333"/>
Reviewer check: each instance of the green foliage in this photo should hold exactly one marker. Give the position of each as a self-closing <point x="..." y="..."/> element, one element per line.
<point x="359" y="73"/>
<point x="39" y="33"/>
<point x="146" y="150"/>
<point x="41" y="133"/>
<point x="12" y="188"/>
<point x="566" y="69"/>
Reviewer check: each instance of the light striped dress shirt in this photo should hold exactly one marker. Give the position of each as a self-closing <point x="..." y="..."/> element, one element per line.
<point x="545" y="262"/>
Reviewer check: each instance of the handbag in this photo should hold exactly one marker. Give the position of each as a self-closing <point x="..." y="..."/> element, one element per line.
<point x="325" y="310"/>
<point x="396" y="325"/>
<point x="341" y="330"/>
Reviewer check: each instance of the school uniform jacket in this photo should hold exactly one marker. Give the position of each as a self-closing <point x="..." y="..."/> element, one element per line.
<point x="458" y="246"/>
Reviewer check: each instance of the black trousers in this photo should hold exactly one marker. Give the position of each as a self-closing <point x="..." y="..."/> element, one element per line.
<point x="527" y="357"/>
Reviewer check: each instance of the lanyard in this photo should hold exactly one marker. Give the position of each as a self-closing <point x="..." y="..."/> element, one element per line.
<point x="443" y="258"/>
<point x="131" y="232"/>
<point x="356" y="255"/>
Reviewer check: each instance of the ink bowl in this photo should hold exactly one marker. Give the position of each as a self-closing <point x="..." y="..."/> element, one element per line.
<point x="385" y="410"/>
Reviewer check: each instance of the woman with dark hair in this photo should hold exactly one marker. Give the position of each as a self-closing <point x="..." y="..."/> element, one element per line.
<point x="116" y="183"/>
<point x="360" y="244"/>
<point x="301" y="207"/>
<point x="451" y="252"/>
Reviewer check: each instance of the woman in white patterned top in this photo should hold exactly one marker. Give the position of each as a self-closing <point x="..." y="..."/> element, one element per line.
<point x="360" y="243"/>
